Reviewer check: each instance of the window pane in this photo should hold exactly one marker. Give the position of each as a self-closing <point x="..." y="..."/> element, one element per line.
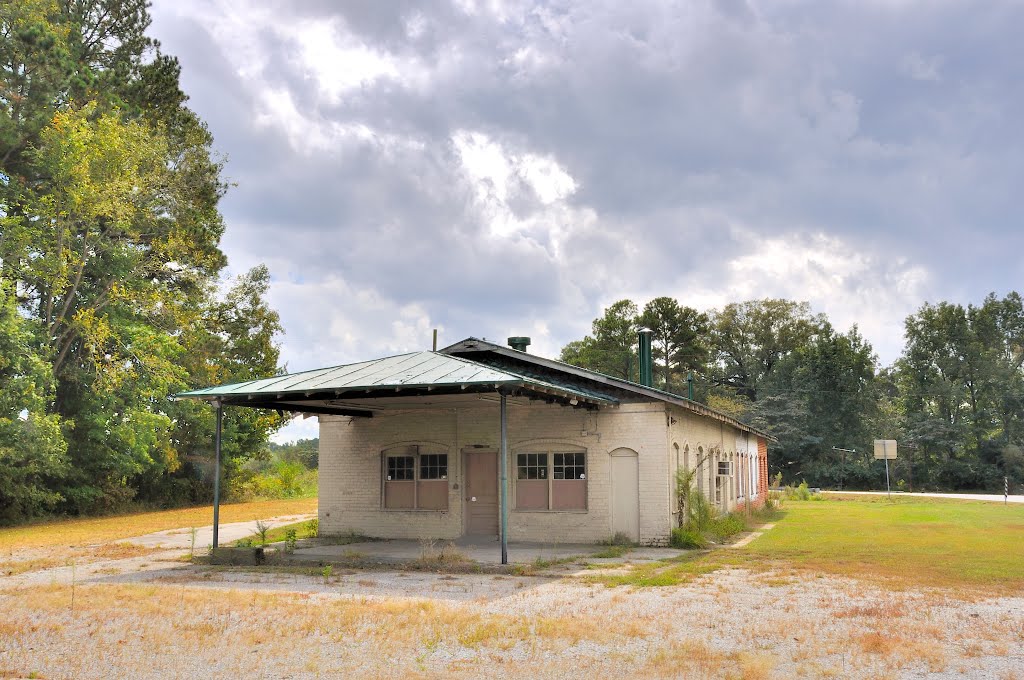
<point x="569" y="466"/>
<point x="532" y="465"/>
<point x="400" y="468"/>
<point x="434" y="466"/>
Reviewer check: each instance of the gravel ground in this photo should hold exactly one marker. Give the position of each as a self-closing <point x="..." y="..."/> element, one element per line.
<point x="155" y="616"/>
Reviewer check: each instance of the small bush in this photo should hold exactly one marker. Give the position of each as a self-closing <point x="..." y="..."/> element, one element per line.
<point x="261" y="530"/>
<point x="727" y="526"/>
<point x="799" y="493"/>
<point x="291" y="537"/>
<point x="688" y="539"/>
<point x="313" y="528"/>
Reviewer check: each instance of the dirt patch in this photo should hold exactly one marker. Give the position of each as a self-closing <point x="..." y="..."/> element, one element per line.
<point x="730" y="623"/>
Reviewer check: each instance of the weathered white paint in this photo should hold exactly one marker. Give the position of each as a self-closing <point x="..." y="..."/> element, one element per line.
<point x="626" y="493"/>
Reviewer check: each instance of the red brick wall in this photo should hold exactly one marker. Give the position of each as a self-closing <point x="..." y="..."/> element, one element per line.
<point x="762" y="459"/>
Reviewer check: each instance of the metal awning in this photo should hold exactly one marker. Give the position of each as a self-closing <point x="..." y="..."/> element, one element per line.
<point x="401" y="381"/>
<point x="357" y="389"/>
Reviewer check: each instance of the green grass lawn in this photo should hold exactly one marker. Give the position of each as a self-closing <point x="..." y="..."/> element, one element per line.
<point x="932" y="542"/>
<point x="966" y="546"/>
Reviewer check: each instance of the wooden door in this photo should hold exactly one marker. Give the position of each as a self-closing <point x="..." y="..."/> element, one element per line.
<point x="626" y="493"/>
<point x="481" y="498"/>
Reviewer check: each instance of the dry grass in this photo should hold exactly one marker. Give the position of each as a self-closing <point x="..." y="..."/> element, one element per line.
<point x="63" y="556"/>
<point x="78" y="532"/>
<point x="833" y="628"/>
<point x="119" y="621"/>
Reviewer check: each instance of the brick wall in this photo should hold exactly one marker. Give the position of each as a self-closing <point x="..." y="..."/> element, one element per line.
<point x="350" y="468"/>
<point x="762" y="455"/>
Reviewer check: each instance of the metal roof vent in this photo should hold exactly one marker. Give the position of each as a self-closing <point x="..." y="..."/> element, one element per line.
<point x="519" y="342"/>
<point x="646" y="360"/>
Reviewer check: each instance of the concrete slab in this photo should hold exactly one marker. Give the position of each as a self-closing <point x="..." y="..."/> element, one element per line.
<point x="481" y="551"/>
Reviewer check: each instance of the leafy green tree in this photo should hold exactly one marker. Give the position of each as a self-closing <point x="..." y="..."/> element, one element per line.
<point x="962" y="389"/>
<point x="233" y="341"/>
<point x="821" y="395"/>
<point x="612" y="347"/>
<point x="305" y="451"/>
<point x="678" y="339"/>
<point x="749" y="339"/>
<point x="109" y="194"/>
<point x="33" y="456"/>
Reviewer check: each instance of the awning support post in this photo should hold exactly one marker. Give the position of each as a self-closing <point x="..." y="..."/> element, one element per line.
<point x="503" y="479"/>
<point x="216" y="472"/>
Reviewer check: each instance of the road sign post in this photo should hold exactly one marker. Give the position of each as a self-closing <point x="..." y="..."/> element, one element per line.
<point x="885" y="449"/>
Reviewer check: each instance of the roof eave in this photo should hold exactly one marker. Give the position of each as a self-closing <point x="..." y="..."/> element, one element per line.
<point x="477" y="345"/>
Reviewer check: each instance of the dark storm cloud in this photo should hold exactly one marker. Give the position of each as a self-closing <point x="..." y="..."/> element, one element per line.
<point x="876" y="142"/>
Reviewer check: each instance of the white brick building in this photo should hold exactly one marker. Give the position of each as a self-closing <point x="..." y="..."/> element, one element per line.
<point x="410" y="447"/>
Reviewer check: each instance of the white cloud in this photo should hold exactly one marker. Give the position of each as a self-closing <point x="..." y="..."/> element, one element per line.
<point x="500" y="177"/>
<point x="852" y="285"/>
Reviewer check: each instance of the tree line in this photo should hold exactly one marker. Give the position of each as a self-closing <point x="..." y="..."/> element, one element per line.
<point x="112" y="294"/>
<point x="954" y="400"/>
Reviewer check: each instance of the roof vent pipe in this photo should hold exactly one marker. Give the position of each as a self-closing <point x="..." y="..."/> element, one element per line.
<point x="519" y="342"/>
<point x="646" y="360"/>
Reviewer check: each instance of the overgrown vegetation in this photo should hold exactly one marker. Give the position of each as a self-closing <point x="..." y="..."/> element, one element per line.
<point x="699" y="522"/>
<point x="111" y="272"/>
<point x="954" y="400"/>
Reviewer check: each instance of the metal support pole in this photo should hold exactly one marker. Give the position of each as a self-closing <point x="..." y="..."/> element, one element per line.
<point x="503" y="479"/>
<point x="689" y="385"/>
<point x="216" y="473"/>
<point x="888" y="490"/>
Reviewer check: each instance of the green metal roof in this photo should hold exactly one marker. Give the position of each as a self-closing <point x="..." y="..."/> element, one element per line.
<point x="416" y="370"/>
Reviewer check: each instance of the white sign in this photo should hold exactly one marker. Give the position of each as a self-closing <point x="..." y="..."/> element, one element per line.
<point x="885" y="449"/>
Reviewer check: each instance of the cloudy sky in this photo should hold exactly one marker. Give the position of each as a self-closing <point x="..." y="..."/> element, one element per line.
<point x="498" y="168"/>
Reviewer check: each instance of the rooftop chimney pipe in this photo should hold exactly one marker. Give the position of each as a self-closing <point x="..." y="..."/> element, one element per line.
<point x="519" y="342"/>
<point x="646" y="360"/>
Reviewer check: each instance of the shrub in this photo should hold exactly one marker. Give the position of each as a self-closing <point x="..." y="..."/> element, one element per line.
<point x="799" y="493"/>
<point x="261" y="530"/>
<point x="687" y="538"/>
<point x="727" y="526"/>
<point x="313" y="528"/>
<point x="291" y="537"/>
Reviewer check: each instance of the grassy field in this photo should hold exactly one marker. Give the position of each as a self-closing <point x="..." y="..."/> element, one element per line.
<point x="969" y="546"/>
<point x="78" y="532"/>
<point x="911" y="541"/>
